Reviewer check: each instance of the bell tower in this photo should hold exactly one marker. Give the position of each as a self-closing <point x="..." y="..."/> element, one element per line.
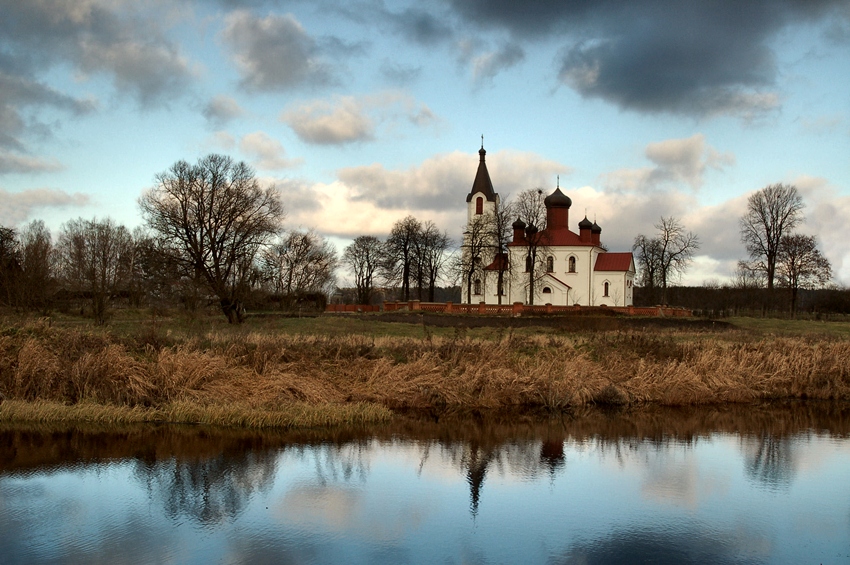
<point x="482" y="199"/>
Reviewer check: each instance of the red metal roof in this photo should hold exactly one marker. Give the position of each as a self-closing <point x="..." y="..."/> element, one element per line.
<point x="550" y="237"/>
<point x="613" y="262"/>
<point x="501" y="260"/>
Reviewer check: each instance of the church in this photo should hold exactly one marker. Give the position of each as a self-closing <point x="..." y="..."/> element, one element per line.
<point x="548" y="264"/>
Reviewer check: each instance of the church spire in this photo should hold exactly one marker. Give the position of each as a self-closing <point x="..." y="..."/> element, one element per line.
<point x="482" y="181"/>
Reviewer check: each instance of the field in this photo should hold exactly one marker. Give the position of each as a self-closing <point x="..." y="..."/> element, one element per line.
<point x="283" y="372"/>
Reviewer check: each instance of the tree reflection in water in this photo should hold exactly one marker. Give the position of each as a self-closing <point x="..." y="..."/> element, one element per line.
<point x="770" y="460"/>
<point x="209" y="490"/>
<point x="210" y="475"/>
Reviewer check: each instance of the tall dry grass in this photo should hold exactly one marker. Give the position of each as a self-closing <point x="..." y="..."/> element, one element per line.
<point x="236" y="379"/>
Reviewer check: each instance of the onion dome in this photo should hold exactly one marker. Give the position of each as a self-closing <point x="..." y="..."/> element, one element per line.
<point x="585" y="224"/>
<point x="595" y="228"/>
<point x="558" y="200"/>
<point x="518" y="224"/>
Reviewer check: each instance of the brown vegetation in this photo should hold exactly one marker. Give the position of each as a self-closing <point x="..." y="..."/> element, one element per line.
<point x="261" y="379"/>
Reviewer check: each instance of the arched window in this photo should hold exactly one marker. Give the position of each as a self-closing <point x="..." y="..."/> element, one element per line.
<point x="572" y="264"/>
<point x="550" y="264"/>
<point x="479" y="205"/>
<point x="476" y="286"/>
<point x="547" y="290"/>
<point x="605" y="287"/>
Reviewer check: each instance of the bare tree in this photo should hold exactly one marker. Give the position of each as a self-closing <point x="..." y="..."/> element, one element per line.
<point x="531" y="210"/>
<point x="214" y="217"/>
<point x="476" y="243"/>
<point x="300" y="262"/>
<point x="648" y="256"/>
<point x="772" y="212"/>
<point x="799" y="264"/>
<point x="431" y="248"/>
<point x="363" y="257"/>
<point x="37" y="259"/>
<point x="10" y="265"/>
<point x="397" y="266"/>
<point x="667" y="255"/>
<point x="501" y="232"/>
<point x="93" y="258"/>
<point x="747" y="276"/>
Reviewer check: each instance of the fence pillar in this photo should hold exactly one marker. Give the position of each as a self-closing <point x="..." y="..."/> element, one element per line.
<point x="414" y="305"/>
<point x="517" y="309"/>
<point x="481" y="309"/>
<point x="448" y="307"/>
<point x="548" y="307"/>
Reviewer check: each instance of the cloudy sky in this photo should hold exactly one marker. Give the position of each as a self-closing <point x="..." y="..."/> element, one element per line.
<point x="362" y="112"/>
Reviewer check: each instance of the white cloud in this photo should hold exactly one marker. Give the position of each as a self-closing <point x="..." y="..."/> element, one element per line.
<point x="827" y="217"/>
<point x="267" y="153"/>
<point x="349" y="119"/>
<point x="676" y="162"/>
<point x="16" y="163"/>
<point x="329" y="123"/>
<point x="19" y="207"/>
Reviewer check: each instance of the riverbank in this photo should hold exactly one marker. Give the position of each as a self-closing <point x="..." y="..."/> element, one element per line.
<point x="259" y="377"/>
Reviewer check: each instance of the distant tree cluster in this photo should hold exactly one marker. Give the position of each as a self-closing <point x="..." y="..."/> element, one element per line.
<point x="665" y="256"/>
<point x="777" y="255"/>
<point x="212" y="235"/>
<point x="411" y="260"/>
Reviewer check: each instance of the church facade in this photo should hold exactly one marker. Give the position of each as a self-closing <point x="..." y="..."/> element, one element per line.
<point x="553" y="265"/>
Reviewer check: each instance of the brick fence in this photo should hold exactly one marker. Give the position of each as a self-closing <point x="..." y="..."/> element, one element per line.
<point x="515" y="309"/>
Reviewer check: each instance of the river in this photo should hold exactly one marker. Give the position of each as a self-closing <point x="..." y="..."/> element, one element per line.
<point x="738" y="484"/>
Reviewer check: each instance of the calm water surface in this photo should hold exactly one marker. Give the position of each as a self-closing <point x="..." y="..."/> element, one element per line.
<point x="738" y="485"/>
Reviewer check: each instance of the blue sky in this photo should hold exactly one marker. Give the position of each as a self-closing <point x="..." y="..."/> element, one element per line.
<point x="364" y="112"/>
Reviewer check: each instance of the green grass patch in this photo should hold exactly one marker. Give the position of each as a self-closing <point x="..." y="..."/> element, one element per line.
<point x="793" y="328"/>
<point x="289" y="415"/>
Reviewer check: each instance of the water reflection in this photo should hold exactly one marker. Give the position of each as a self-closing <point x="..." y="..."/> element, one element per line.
<point x="770" y="460"/>
<point x="209" y="490"/>
<point x="596" y="487"/>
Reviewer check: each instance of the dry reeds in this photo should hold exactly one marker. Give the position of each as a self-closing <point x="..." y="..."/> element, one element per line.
<point x="264" y="379"/>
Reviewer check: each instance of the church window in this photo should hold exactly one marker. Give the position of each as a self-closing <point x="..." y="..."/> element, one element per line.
<point x="605" y="287"/>
<point x="550" y="264"/>
<point x="476" y="286"/>
<point x="479" y="205"/>
<point x="547" y="290"/>
<point x="572" y="264"/>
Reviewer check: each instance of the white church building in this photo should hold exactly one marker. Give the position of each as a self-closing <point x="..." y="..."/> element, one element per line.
<point x="571" y="268"/>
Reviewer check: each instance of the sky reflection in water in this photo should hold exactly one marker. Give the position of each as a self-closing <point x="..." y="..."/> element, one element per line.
<point x="453" y="493"/>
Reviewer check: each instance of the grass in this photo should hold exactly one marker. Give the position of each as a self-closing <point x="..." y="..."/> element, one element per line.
<point x="287" y="416"/>
<point x="793" y="328"/>
<point x="324" y="371"/>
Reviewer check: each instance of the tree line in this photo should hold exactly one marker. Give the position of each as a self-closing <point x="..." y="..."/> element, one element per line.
<point x="211" y="235"/>
<point x="778" y="256"/>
